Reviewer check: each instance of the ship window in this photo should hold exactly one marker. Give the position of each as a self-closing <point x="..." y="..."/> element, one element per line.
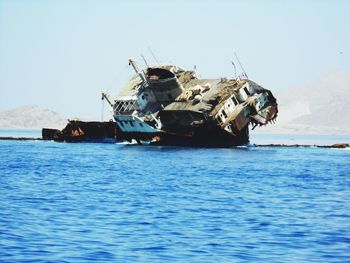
<point x="141" y="124"/>
<point x="246" y="91"/>
<point x="228" y="105"/>
<point x="224" y="113"/>
<point x="143" y="97"/>
<point x="235" y="101"/>
<point x="219" y="119"/>
<point x="131" y="124"/>
<point x="121" y="123"/>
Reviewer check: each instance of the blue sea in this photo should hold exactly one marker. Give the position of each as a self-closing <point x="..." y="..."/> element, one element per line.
<point x="62" y="202"/>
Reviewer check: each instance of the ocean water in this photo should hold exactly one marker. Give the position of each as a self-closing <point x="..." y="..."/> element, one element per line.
<point x="63" y="202"/>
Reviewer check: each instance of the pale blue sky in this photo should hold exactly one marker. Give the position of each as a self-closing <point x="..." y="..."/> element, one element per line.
<point x="61" y="54"/>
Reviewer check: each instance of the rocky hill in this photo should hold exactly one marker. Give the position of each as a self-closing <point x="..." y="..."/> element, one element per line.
<point x="31" y="117"/>
<point x="318" y="107"/>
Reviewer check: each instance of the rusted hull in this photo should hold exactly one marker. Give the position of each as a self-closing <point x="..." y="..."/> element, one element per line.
<point x="80" y="131"/>
<point x="200" y="138"/>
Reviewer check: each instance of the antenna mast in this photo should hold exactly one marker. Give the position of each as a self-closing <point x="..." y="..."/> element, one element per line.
<point x="103" y="108"/>
<point x="154" y="57"/>
<point x="234" y="66"/>
<point x="239" y="62"/>
<point x="144" y="60"/>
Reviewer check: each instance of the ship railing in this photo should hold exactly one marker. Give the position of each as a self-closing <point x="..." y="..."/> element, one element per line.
<point x="124" y="105"/>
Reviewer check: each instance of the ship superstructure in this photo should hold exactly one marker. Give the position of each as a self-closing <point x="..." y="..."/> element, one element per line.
<point x="168" y="105"/>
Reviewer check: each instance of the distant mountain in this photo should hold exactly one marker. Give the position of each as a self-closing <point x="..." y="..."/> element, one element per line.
<point x="31" y="117"/>
<point x="318" y="107"/>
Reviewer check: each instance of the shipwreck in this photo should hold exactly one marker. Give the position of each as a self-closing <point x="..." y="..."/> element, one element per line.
<point x="167" y="105"/>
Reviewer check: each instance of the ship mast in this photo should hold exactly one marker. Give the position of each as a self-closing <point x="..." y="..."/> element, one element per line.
<point x="239" y="62"/>
<point x="142" y="76"/>
<point x="108" y="99"/>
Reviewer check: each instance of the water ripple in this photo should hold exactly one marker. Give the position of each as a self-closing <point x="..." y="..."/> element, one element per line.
<point x="120" y="203"/>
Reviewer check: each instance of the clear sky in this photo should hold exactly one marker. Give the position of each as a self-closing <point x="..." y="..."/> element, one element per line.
<point x="61" y="54"/>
